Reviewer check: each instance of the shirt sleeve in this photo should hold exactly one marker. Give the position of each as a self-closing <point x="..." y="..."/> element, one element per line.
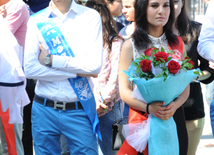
<point x="204" y="66"/>
<point x="90" y="63"/>
<point x="111" y="88"/>
<point x="32" y="67"/>
<point x="206" y="38"/>
<point x="15" y="19"/>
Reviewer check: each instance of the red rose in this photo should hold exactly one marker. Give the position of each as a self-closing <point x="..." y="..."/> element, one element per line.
<point x="145" y="65"/>
<point x="149" y="51"/>
<point x="162" y="55"/>
<point x="191" y="62"/>
<point x="173" y="66"/>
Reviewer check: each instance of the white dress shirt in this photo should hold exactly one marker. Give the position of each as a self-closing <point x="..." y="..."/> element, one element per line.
<point x="206" y="38"/>
<point x="11" y="74"/>
<point x="82" y="29"/>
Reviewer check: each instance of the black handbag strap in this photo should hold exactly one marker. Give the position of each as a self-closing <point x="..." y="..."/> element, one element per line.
<point x="118" y="122"/>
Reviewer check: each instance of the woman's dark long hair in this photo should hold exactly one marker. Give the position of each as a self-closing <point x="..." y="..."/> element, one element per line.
<point x="184" y="26"/>
<point x="108" y="23"/>
<point x="140" y="34"/>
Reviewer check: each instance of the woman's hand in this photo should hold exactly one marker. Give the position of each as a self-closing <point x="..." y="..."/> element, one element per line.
<point x="155" y="107"/>
<point x="100" y="107"/>
<point x="3" y="11"/>
<point x="168" y="112"/>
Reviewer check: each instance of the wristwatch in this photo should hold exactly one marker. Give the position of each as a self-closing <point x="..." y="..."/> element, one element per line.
<point x="47" y="60"/>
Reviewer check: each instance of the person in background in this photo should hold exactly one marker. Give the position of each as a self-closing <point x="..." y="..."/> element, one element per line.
<point x="36" y="5"/>
<point x="3" y="11"/>
<point x="206" y="42"/>
<point x="106" y="84"/>
<point x="205" y="49"/>
<point x="16" y="19"/>
<point x="115" y="8"/>
<point x="207" y="3"/>
<point x="194" y="106"/>
<point x="122" y="19"/>
<point x="127" y="31"/>
<point x="129" y="13"/>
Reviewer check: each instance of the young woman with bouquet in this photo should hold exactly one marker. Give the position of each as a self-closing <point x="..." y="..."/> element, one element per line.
<point x="194" y="106"/>
<point x="154" y="20"/>
<point x="106" y="84"/>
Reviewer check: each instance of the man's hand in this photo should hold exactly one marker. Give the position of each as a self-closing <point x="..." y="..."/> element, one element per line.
<point x="87" y="75"/>
<point x="43" y="54"/>
<point x="3" y="11"/>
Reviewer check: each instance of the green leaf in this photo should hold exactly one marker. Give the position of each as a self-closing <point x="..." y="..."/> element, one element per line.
<point x="196" y="72"/>
<point x="155" y="50"/>
<point x="147" y="57"/>
<point x="162" y="60"/>
<point x="202" y="73"/>
<point x="160" y="75"/>
<point x="166" y="72"/>
<point x="138" y="69"/>
<point x="168" y="59"/>
<point x="171" y="52"/>
<point x="165" y="77"/>
<point x="135" y="63"/>
<point x="162" y="49"/>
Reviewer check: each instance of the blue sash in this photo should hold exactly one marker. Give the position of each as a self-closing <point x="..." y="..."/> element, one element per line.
<point x="59" y="46"/>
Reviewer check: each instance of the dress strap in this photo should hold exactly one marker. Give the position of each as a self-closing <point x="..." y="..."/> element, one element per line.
<point x="177" y="49"/>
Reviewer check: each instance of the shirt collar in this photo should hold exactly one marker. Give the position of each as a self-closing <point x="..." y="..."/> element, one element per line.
<point x="73" y="7"/>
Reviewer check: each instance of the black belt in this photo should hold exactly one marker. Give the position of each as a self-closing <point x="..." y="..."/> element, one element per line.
<point x="58" y="105"/>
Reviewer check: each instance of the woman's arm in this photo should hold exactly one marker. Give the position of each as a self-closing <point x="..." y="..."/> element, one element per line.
<point x="110" y="90"/>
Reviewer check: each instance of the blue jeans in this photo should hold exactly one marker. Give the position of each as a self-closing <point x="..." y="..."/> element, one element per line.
<point x="126" y="110"/>
<point x="48" y="125"/>
<point x="106" y="122"/>
<point x="212" y="115"/>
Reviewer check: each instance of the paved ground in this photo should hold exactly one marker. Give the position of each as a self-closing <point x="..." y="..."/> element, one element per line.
<point x="207" y="137"/>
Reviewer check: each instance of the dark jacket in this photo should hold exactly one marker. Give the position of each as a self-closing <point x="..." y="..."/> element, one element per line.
<point x="37" y="5"/>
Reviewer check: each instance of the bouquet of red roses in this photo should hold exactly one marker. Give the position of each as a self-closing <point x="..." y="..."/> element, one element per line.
<point x="159" y="77"/>
<point x="155" y="64"/>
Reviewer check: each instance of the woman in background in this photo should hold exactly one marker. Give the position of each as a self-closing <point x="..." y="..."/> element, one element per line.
<point x="128" y="12"/>
<point x="194" y="106"/>
<point x="115" y="8"/>
<point x="106" y="89"/>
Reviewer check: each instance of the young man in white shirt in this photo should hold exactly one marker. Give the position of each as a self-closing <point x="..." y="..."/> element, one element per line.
<point x="64" y="41"/>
